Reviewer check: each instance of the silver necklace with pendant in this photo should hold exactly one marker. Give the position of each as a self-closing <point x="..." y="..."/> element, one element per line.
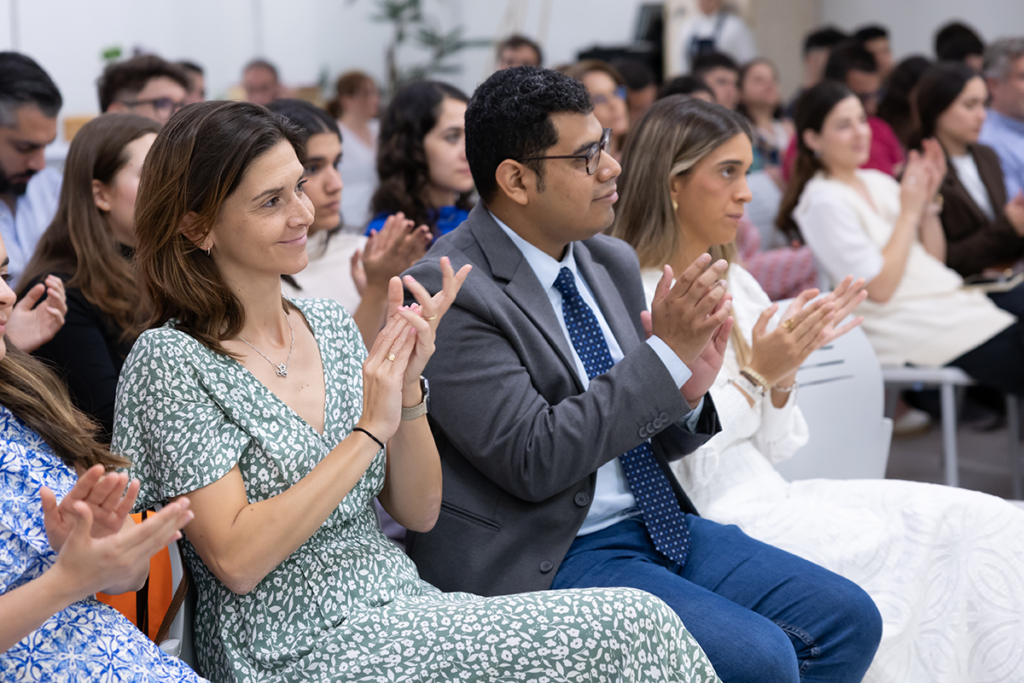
<point x="280" y="368"/>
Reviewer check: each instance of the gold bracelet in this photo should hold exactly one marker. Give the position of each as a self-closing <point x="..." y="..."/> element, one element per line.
<point x="785" y="390"/>
<point x="755" y="377"/>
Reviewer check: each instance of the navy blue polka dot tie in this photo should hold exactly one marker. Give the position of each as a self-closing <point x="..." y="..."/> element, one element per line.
<point x="666" y="522"/>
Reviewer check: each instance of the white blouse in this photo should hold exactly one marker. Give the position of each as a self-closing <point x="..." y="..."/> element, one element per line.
<point x="329" y="273"/>
<point x="737" y="463"/>
<point x="359" y="173"/>
<point x="930" y="319"/>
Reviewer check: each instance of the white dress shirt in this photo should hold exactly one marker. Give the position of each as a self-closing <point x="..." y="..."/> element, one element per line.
<point x="613" y="500"/>
<point x="34" y="212"/>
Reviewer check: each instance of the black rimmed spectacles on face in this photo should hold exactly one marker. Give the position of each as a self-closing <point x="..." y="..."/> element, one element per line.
<point x="163" y="105"/>
<point x="592" y="155"/>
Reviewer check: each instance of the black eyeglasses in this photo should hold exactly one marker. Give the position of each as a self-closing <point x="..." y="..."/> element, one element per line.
<point x="160" y="104"/>
<point x="592" y="155"/>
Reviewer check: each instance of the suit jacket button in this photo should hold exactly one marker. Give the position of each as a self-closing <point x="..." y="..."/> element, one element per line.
<point x="650" y="428"/>
<point x="582" y="499"/>
<point x="643" y="433"/>
<point x="546" y="566"/>
<point x="664" y="418"/>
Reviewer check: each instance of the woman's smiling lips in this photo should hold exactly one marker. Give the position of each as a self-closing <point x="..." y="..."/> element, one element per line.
<point x="299" y="241"/>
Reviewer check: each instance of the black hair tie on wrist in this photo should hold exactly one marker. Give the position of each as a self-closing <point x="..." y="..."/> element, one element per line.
<point x="360" y="429"/>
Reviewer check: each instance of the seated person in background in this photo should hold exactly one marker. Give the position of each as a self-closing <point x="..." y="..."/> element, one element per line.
<point x="875" y="39"/>
<point x="941" y="563"/>
<point x="356" y="106"/>
<point x="196" y="81"/>
<point x="863" y="223"/>
<point x="958" y="42"/>
<point x="722" y="75"/>
<point x="854" y="66"/>
<point x="421" y="159"/>
<point x="331" y="252"/>
<point x="782" y="272"/>
<point x="261" y="83"/>
<point x="641" y="87"/>
<point x="146" y="85"/>
<point x="557" y="412"/>
<point x="817" y="48"/>
<point x="716" y="27"/>
<point x="687" y="85"/>
<point x="55" y="556"/>
<point x="29" y="104"/>
<point x="517" y="50"/>
<point x="760" y="102"/>
<point x="1004" y="128"/>
<point x="898" y="104"/>
<point x="983" y="229"/>
<point x="607" y="91"/>
<point x="90" y="245"/>
<point x="281" y="462"/>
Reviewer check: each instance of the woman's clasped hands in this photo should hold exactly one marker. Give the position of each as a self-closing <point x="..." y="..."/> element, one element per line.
<point x="806" y="326"/>
<point x="391" y="373"/>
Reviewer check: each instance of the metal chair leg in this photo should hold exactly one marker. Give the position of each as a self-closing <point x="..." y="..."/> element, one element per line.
<point x="1013" y="427"/>
<point x="949" y="416"/>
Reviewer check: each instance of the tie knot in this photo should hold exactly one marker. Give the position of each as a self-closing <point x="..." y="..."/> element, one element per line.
<point x="566" y="283"/>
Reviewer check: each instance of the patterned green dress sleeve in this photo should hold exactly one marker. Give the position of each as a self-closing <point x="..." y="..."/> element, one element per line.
<point x="348" y="605"/>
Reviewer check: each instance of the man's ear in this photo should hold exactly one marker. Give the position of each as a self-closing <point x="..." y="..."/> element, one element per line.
<point x="193" y="231"/>
<point x="100" y="195"/>
<point x="516" y="181"/>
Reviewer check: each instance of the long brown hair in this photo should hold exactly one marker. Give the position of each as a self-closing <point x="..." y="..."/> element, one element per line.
<point x="675" y="135"/>
<point x="347" y="85"/>
<point x="79" y="241"/>
<point x="34" y="393"/>
<point x="197" y="162"/>
<point x="809" y="113"/>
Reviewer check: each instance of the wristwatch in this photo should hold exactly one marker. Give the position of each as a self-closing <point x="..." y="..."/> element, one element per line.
<point x="420" y="409"/>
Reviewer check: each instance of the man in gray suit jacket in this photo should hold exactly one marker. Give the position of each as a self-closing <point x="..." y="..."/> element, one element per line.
<point x="557" y="403"/>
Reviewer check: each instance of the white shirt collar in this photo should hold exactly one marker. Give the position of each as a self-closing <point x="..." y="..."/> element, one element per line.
<point x="544" y="266"/>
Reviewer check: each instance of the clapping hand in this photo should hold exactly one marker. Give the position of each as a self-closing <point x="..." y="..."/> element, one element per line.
<point x="1014" y="211"/>
<point x="846" y="297"/>
<point x="31" y="326"/>
<point x="389" y="252"/>
<point x="102" y="493"/>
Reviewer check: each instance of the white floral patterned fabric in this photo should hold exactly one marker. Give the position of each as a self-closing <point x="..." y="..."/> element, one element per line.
<point x="88" y="641"/>
<point x="348" y="605"/>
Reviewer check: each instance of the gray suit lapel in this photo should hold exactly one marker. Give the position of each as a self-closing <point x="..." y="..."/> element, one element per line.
<point x="521" y="284"/>
<point x="608" y="298"/>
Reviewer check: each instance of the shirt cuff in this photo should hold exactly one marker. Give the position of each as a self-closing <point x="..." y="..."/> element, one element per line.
<point x="675" y="366"/>
<point x="690" y="419"/>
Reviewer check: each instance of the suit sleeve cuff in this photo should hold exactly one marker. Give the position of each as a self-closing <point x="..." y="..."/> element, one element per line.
<point x="689" y="421"/>
<point x="676" y="367"/>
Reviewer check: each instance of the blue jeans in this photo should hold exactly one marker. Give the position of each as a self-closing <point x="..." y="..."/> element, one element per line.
<point x="760" y="613"/>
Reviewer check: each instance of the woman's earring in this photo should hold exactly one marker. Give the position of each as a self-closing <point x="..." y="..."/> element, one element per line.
<point x="675" y="205"/>
<point x="208" y="250"/>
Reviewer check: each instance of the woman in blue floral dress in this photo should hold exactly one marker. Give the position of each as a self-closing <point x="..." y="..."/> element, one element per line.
<point x="271" y="417"/>
<point x="54" y="556"/>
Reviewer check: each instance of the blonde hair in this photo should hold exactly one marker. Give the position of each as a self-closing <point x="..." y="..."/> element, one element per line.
<point x="675" y="135"/>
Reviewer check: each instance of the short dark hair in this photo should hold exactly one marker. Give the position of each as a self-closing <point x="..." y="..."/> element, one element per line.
<point x="849" y="57"/>
<point x="827" y="37"/>
<point x="954" y="31"/>
<point x="189" y="67"/>
<point x="636" y="74"/>
<point x="130" y="77"/>
<point x="713" y="60"/>
<point x="516" y="41"/>
<point x="509" y="117"/>
<point x="870" y="32"/>
<point x="22" y="82"/>
<point x="959" y="49"/>
<point x="311" y="119"/>
<point x="260" y="63"/>
<point x="684" y="85"/>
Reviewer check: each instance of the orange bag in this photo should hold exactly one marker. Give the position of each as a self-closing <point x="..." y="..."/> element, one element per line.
<point x="146" y="608"/>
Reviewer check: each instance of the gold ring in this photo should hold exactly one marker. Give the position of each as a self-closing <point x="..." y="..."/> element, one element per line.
<point x="391" y="357"/>
<point x="788" y="323"/>
<point x="433" y="317"/>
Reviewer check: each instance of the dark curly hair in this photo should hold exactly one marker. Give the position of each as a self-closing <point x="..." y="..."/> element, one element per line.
<point x="129" y="78"/>
<point x="509" y="117"/>
<point x="401" y="158"/>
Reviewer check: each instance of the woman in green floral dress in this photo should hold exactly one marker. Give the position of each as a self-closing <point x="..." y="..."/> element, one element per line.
<point x="268" y="415"/>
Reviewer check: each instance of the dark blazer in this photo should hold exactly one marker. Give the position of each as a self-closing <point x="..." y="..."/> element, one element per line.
<point x="519" y="439"/>
<point x="973" y="241"/>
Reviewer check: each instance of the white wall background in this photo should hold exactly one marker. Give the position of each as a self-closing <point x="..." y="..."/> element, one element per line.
<point x="306" y="38"/>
